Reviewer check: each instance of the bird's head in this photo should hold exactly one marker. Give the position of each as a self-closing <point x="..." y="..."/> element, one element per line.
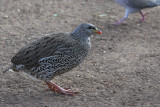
<point x="86" y="29"/>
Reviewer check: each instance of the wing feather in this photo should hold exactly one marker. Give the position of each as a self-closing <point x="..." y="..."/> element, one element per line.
<point x="43" y="47"/>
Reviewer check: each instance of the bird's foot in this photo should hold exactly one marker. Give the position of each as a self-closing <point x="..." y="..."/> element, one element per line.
<point x="117" y="23"/>
<point x="143" y="16"/>
<point x="54" y="89"/>
<point x="120" y="22"/>
<point x="59" y="89"/>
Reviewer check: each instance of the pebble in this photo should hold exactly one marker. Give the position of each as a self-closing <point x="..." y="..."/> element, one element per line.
<point x="18" y="10"/>
<point x="5" y="17"/>
<point x="78" y="75"/>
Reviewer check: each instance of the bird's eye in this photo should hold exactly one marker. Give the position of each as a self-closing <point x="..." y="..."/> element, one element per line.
<point x="91" y="27"/>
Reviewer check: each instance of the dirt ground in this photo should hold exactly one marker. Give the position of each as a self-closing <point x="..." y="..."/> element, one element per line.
<point x="122" y="69"/>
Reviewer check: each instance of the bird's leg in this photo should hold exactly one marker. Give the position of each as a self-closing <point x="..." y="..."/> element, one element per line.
<point x="59" y="89"/>
<point x="143" y="16"/>
<point x="51" y="88"/>
<point x="127" y="12"/>
<point x="54" y="89"/>
<point x="119" y="22"/>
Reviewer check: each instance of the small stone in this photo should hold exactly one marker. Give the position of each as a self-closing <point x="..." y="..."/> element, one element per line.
<point x="82" y="3"/>
<point x="5" y="17"/>
<point x="102" y="15"/>
<point x="18" y="10"/>
<point x="55" y="15"/>
<point x="138" y="24"/>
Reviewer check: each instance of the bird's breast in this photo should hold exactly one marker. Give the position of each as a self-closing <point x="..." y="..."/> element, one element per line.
<point x="89" y="43"/>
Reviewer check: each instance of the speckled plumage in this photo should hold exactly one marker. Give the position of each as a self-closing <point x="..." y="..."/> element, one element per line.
<point x="55" y="54"/>
<point x="51" y="55"/>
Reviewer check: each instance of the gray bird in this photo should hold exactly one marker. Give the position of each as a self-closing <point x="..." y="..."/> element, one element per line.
<point x="55" y="54"/>
<point x="136" y="6"/>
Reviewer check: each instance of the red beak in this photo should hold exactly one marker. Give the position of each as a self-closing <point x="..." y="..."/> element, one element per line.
<point x="98" y="31"/>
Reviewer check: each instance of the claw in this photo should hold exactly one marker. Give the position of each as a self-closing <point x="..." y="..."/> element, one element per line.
<point x="59" y="89"/>
<point x="120" y="22"/>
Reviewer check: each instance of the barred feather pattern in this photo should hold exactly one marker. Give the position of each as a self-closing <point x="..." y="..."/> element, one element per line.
<point x="63" y="60"/>
<point x="54" y="54"/>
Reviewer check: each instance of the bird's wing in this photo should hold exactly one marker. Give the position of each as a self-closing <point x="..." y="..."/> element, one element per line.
<point x="67" y="56"/>
<point x="43" y="47"/>
<point x="143" y="3"/>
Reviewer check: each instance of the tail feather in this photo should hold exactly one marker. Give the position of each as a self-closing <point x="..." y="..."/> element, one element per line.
<point x="7" y="69"/>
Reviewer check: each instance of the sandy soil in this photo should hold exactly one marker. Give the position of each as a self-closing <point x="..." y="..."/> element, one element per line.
<point x="122" y="70"/>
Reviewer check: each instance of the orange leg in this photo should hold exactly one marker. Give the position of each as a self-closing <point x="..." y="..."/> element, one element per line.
<point x="59" y="89"/>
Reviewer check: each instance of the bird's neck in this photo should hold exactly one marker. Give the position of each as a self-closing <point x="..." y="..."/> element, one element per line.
<point x="80" y="36"/>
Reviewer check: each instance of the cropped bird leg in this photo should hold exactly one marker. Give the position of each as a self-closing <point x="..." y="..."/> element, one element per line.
<point x="143" y="16"/>
<point x="127" y="12"/>
<point x="59" y="89"/>
<point x="119" y="22"/>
